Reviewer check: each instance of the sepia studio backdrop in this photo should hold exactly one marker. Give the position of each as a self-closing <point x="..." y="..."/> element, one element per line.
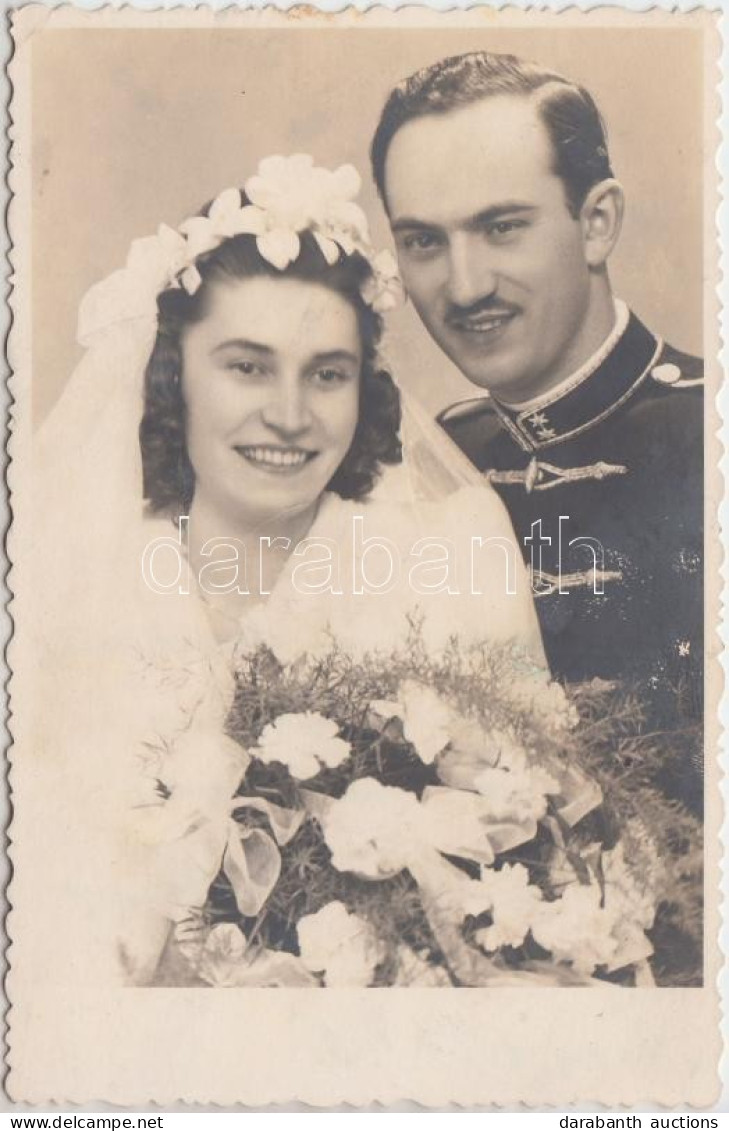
<point x="136" y="127"/>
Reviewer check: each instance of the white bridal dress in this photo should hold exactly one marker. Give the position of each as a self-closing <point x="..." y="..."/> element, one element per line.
<point x="125" y="680"/>
<point x="447" y="570"/>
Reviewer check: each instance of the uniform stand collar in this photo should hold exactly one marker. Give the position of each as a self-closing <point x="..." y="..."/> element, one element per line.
<point x="598" y="388"/>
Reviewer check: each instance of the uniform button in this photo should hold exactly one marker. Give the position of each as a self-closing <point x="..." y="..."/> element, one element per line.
<point x="667" y="374"/>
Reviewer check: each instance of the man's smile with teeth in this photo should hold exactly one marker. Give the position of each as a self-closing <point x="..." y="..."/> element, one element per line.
<point x="480" y="323"/>
<point x="275" y="457"/>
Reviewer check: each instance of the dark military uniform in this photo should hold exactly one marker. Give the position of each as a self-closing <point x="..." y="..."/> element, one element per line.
<point x="618" y="456"/>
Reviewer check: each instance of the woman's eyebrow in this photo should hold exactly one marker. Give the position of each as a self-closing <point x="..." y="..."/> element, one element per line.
<point x="328" y="357"/>
<point x="244" y="344"/>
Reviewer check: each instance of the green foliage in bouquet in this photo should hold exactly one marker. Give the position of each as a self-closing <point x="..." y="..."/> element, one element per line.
<point x="638" y="771"/>
<point x="458" y="820"/>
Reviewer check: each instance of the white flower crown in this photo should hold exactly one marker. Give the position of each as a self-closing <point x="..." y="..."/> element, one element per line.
<point x="287" y="196"/>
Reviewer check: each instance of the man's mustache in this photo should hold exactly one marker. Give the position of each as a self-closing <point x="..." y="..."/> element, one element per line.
<point x="490" y="306"/>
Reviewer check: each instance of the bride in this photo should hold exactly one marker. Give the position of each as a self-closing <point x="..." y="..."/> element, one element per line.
<point x="226" y="468"/>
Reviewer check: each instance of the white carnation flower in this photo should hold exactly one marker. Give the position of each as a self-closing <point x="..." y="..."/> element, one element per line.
<point x="374" y="830"/>
<point x="303" y="743"/>
<point x="340" y="945"/>
<point x="513" y="795"/>
<point x="427" y="719"/>
<point x="577" y="929"/>
<point x="538" y="693"/>
<point x="514" y="904"/>
<point x="507" y="896"/>
<point x="600" y="925"/>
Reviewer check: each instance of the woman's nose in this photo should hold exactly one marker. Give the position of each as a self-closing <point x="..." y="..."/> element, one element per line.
<point x="287" y="412"/>
<point x="471" y="274"/>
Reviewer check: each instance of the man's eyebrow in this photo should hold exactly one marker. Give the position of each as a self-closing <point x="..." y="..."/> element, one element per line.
<point x="486" y="216"/>
<point x="244" y="344"/>
<point x="496" y="211"/>
<point x="409" y="223"/>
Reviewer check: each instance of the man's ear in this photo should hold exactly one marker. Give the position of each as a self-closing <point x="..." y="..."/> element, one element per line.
<point x="601" y="218"/>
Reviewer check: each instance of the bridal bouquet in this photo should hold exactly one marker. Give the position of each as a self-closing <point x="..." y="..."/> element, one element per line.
<point x="458" y="821"/>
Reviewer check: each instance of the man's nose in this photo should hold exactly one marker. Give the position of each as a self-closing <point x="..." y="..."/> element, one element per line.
<point x="287" y="411"/>
<point x="471" y="274"/>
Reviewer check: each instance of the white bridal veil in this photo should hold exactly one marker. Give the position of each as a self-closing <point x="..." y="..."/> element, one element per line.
<point x="119" y="667"/>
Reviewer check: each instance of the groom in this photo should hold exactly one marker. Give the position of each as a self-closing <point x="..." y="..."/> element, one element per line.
<point x="497" y="182"/>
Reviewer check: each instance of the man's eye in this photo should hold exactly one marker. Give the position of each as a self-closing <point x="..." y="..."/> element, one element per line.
<point x="420" y="241"/>
<point x="501" y="228"/>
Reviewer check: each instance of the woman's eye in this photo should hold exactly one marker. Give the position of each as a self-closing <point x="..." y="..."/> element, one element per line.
<point x="246" y="368"/>
<point x="329" y="377"/>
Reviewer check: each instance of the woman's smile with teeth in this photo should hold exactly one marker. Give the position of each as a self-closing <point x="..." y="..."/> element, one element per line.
<point x="284" y="458"/>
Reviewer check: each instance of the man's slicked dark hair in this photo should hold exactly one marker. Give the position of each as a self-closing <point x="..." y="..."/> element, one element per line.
<point x="568" y="111"/>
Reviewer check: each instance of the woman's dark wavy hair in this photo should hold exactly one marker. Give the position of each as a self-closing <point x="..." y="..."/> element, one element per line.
<point x="169" y="479"/>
